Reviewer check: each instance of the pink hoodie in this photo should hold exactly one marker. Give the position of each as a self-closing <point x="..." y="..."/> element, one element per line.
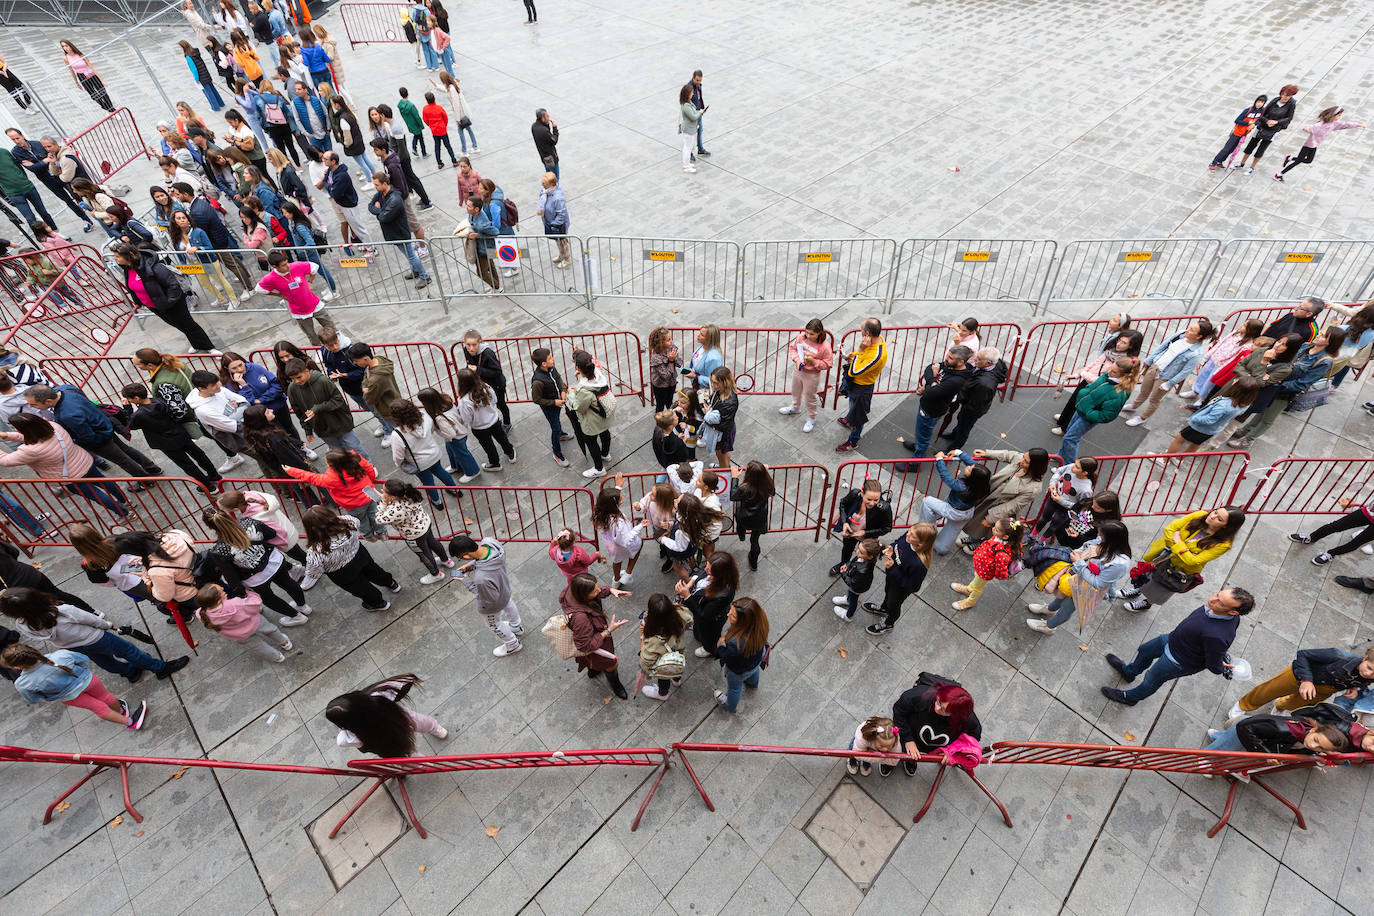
<point x="1318" y="132"/>
<point x="237" y="618"/>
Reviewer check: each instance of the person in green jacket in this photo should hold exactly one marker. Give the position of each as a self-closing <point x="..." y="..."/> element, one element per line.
<point x="19" y="191"/>
<point x="320" y="406"/>
<point x="411" y="115"/>
<point x="687" y="126"/>
<point x="1100" y="402"/>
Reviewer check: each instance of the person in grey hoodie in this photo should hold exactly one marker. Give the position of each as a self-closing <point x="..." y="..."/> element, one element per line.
<point x="485" y="575"/>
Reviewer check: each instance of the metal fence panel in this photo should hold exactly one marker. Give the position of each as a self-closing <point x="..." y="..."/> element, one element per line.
<point x="537" y="275"/>
<point x="1271" y="313"/>
<point x="102" y="377"/>
<point x="798" y="504"/>
<point x="907" y="488"/>
<point x="816" y="270"/>
<point x="911" y="348"/>
<point x="679" y="270"/>
<point x="83" y="310"/>
<point x="1313" y="486"/>
<point x="1264" y="271"/>
<point x="619" y="352"/>
<point x="1189" y="482"/>
<point x="1100" y="270"/>
<point x="757" y="357"/>
<point x="372" y="23"/>
<point x="419" y="364"/>
<point x="973" y="270"/>
<point x="110" y="144"/>
<point x="1052" y="352"/>
<point x="46" y="512"/>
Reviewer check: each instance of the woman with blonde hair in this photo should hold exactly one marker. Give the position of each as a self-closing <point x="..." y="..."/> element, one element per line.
<point x="331" y="48"/>
<point x="1100" y="402"/>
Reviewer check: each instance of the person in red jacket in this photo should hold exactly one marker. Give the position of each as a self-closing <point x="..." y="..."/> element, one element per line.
<point x="436" y="119"/>
<point x="348" y="479"/>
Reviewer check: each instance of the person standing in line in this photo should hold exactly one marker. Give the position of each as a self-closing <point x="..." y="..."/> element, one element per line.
<point x="531" y="14"/>
<point x="859" y="376"/>
<point x="811" y="358"/>
<point x="545" y="133"/>
<point x="687" y="126"/>
<point x="1100" y="402"/>
<point x="334" y="549"/>
<point x="664" y="363"/>
<point x="414" y="123"/>
<point x="389" y="206"/>
<point x="85" y="75"/>
<point x="989" y="372"/>
<point x="1199" y="643"/>
<point x="312" y="119"/>
<point x="905" y="562"/>
<point x="939" y="389"/>
<point x="477" y="412"/>
<point x="594" y="403"/>
<point x="331" y="48"/>
<point x="1167" y="366"/>
<point x="241" y="620"/>
<point x="484" y="574"/>
<point x="314" y="58"/>
<point x="742" y="651"/>
<point x="419" y="20"/>
<point x="451" y="426"/>
<point x="436" y="119"/>
<point x="483" y="360"/>
<point x="378" y="384"/>
<point x="1100" y="564"/>
<point x="699" y="103"/>
<point x="349" y="479"/>
<point x="863" y="513"/>
<point x="220" y="412"/>
<point x="393" y="169"/>
<point x="396" y="136"/>
<point x="1362" y="517"/>
<point x="320" y="406"/>
<point x="593" y="629"/>
<point x="66" y="677"/>
<point x="751" y="489"/>
<point x="19" y="191"/>
<point x="90" y="427"/>
<point x="1181" y="552"/>
<point x="204" y="215"/>
<point x="1243" y="124"/>
<point x="338" y="184"/>
<point x="416" y="438"/>
<point x="550" y="393"/>
<point x="553" y="210"/>
<point x="350" y="135"/>
<point x="35" y="156"/>
<point x="167" y="435"/>
<point x="1328" y="121"/>
<point x="1277" y="115"/>
<point x="403" y="508"/>
<point x="202" y="74"/>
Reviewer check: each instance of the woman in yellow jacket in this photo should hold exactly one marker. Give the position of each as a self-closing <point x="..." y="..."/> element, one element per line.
<point x="1187" y="545"/>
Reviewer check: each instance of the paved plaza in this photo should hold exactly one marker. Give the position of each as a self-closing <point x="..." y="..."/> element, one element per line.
<point x="1065" y="120"/>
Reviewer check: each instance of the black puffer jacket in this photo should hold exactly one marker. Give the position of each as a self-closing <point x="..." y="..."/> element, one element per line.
<point x="160" y="282"/>
<point x="981" y="390"/>
<point x="1282" y="112"/>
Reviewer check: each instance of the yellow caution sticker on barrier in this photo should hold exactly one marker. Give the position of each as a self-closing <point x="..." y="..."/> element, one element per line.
<point x="651" y="255"/>
<point x="817" y="257"/>
<point x="1300" y="257"/>
<point x="191" y="268"/>
<point x="352" y="262"/>
<point x="1132" y="257"/>
<point x="983" y="256"/>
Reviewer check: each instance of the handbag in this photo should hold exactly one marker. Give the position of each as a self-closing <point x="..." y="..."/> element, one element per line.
<point x="1169" y="577"/>
<point x="464" y="122"/>
<point x="1310" y="399"/>
<point x="556" y="631"/>
<point x="408" y="465"/>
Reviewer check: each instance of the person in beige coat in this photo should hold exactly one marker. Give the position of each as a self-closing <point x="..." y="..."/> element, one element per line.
<point x="1013" y="489"/>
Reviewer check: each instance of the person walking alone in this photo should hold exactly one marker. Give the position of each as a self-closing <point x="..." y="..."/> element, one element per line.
<point x="85" y="75"/>
<point x="545" y="133"/>
<point x="1328" y="121"/>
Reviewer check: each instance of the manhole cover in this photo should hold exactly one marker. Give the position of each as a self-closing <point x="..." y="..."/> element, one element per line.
<point x="366" y="836"/>
<point x="854" y="830"/>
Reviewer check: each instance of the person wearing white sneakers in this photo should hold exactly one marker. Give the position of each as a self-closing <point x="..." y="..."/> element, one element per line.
<point x="1101" y="563"/>
<point x="857" y="575"/>
<point x="241" y="620"/>
<point x="1168" y="364"/>
<point x="374" y="721"/>
<point x="403" y="508"/>
<point x="662" y="639"/>
<point x="245" y="558"/>
<point x="486" y="577"/>
<point x="221" y="413"/>
<point x="687" y="128"/>
<point x="334" y="549"/>
<point x="593" y="400"/>
<point x="811" y="356"/>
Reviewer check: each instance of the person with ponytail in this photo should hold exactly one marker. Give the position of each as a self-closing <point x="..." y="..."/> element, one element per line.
<point x="66" y="677"/>
<point x="373" y="720"/>
<point x="1101" y="563"/>
<point x="349" y="480"/>
<point x="1168" y="364"/>
<point x="403" y="508"/>
<point x="992" y="560"/>
<point x="241" y="620"/>
<point x="1100" y="402"/>
<point x="103" y="566"/>
<point x="245" y="558"/>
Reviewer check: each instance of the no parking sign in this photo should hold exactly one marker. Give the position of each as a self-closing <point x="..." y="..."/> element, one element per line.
<point x="508" y="252"/>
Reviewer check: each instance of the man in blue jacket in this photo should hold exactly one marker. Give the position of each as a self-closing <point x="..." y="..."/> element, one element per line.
<point x="90" y="427"/>
<point x="339" y="186"/>
<point x="204" y="216"/>
<point x="1199" y="643"/>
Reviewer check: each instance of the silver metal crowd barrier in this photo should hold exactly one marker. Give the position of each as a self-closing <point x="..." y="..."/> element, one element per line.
<point x="1103" y="270"/>
<point x="972" y="270"/>
<point x="676" y="270"/>
<point x="454" y="261"/>
<point x="1282" y="271"/>
<point x="816" y="270"/>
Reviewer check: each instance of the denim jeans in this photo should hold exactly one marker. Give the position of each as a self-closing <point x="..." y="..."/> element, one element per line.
<point x="364" y="163"/>
<point x="119" y="656"/>
<point x="1078" y="428"/>
<point x="925" y="428"/>
<point x="21" y="203"/>
<point x="416" y="265"/>
<point x="1063" y="608"/>
<point x="931" y="509"/>
<point x="860" y="401"/>
<point x="430" y="474"/>
<point x="461" y="458"/>
<point x="1228" y="740"/>
<point x="734" y="685"/>
<point x="21" y="516"/>
<point x="1157" y="667"/>
<point x="463" y="140"/>
<point x="212" y="96"/>
<point x="348" y="440"/>
<point x="554" y="416"/>
<point x="701" y="119"/>
<point x="106" y="493"/>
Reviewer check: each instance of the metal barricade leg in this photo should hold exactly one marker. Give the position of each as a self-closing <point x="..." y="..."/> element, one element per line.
<point x="356" y="805"/>
<point x="695" y="781"/>
<point x="634" y="825"/>
<point x="100" y="768"/>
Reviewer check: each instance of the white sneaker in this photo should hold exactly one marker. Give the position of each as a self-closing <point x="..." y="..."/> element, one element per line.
<point x="299" y="620"/>
<point x="467" y="478"/>
<point x="701" y="652"/>
<point x="1040" y="610"/>
<point x="1038" y="625"/>
<point x="431" y="580"/>
<point x="1235" y="714"/>
<point x="809" y="425"/>
<point x="1135" y="421"/>
<point x="329" y="296"/>
<point x="230" y="463"/>
<point x="593" y="472"/>
<point x="305" y="609"/>
<point x="840" y="600"/>
<point x="625" y="579"/>
<point x="691" y="170"/>
<point x="842" y="611"/>
<point x="1129" y="408"/>
<point x="379" y="432"/>
<point x="503" y="650"/>
<point x="1250" y="170"/>
<point x="287" y="646"/>
<point x="280" y="658"/>
<point x="386" y="440"/>
<point x="1056" y="431"/>
<point x="422" y="251"/>
<point x="651" y="691"/>
<point x="441" y="733"/>
<point x="475" y="150"/>
<point x="1367" y="548"/>
<point x="561" y="462"/>
<point x="513" y="455"/>
<point x="789" y="411"/>
<point x="245" y="295"/>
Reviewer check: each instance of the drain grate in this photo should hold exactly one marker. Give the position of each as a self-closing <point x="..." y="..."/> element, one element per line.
<point x="365" y="837"/>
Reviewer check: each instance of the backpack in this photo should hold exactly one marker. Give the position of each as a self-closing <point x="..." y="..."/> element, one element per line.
<point x="670" y="664"/>
<point x="272" y="113"/>
<point x="510" y="214"/>
<point x="171" y="395"/>
<point x="118" y="418"/>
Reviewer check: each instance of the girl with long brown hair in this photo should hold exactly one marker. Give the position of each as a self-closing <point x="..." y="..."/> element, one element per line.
<point x="333" y="549"/>
<point x="592" y="628"/>
<point x="742" y="651"/>
<point x="373" y="720"/>
<point x="751" y="489"/>
<point x="245" y="557"/>
<point x="1179" y="555"/>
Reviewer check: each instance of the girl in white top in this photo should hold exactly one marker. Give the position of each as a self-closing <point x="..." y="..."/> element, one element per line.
<point x="416" y="441"/>
<point x="707" y="491"/>
<point x="373" y="720"/>
<point x="620" y="541"/>
<point x="457" y="102"/>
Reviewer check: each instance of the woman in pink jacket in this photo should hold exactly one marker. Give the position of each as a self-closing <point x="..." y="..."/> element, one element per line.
<point x="50" y="453"/>
<point x="1327" y="123"/>
<point x="811" y="357"/>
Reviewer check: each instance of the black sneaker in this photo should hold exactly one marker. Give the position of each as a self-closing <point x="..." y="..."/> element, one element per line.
<point x="124" y="710"/>
<point x="140" y="713"/>
<point x="910" y="767"/>
<point x="835" y="570"/>
<point x="1321" y="559"/>
<point x="885" y="769"/>
<point x="173" y="667"/>
<point x="667" y="565"/>
<point x="1300" y="538"/>
<point x="134" y="675"/>
<point x="1120" y="667"/>
<point x="1117" y="696"/>
<point x="619" y="690"/>
<point x="877" y="629"/>
<point x="874" y="609"/>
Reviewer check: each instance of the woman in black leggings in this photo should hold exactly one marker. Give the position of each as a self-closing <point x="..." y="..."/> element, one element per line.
<point x="531" y="13"/>
<point x="245" y="558"/>
<point x="1363" y="517"/>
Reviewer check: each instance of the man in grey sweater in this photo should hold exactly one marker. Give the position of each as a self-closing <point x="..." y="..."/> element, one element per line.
<point x="485" y="575"/>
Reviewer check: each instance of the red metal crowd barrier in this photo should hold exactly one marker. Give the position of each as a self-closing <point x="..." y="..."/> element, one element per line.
<point x="913" y="347"/>
<point x="372" y="23"/>
<point x="681" y="747"/>
<point x="619" y="353"/>
<point x="1313" y="486"/>
<point x="103" y="762"/>
<point x="110" y="144"/>
<point x="1052" y="352"/>
<point x="757" y="357"/>
<point x="798" y="504"/>
<point x="1237" y="767"/>
<point x="398" y="768"/>
<point x="1149" y="486"/>
<point x="82" y="311"/>
<point x="1271" y="313"/>
<point x="102" y="377"/>
<point x="907" y="487"/>
<point x="165" y="502"/>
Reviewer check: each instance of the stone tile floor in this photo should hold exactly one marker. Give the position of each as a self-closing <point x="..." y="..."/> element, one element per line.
<point x="1067" y="120"/>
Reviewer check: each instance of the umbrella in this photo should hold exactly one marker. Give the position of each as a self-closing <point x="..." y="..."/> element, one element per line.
<point x="1086" y="599"/>
<point x="181" y="625"/>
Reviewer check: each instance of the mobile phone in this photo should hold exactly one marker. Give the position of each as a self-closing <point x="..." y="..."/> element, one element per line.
<point x="685" y="371"/>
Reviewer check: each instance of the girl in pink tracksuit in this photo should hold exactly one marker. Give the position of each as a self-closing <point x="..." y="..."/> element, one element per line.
<point x="1327" y="122"/>
<point x="241" y="620"/>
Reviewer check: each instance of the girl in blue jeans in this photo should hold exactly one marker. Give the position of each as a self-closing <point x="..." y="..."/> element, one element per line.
<point x="966" y="490"/>
<point x="1102" y="563"/>
<point x="742" y="650"/>
<point x="36" y="614"/>
<point x="449" y="423"/>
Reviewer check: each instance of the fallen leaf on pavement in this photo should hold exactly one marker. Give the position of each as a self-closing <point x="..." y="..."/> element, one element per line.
<point x="119" y="819"/>
<point x="140" y="833"/>
<point x="1058" y="368"/>
<point x="607" y="701"/>
<point x="1082" y="648"/>
<point x="422" y="869"/>
<point x="493" y="830"/>
<point x="843" y="653"/>
<point x="1130" y="737"/>
<point x="180" y="773"/>
<point x="63" y="807"/>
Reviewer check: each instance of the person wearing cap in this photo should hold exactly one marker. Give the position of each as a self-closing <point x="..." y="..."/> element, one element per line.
<point x="1199" y="643"/>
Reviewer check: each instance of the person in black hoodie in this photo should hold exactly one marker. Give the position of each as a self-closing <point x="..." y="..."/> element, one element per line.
<point x="865" y="513"/>
<point x="989" y="372"/>
<point x="16" y="573"/>
<point x="550" y="392"/>
<point x="751" y="488"/>
<point x="484" y="361"/>
<point x="669" y="449"/>
<point x="905" y="562"/>
<point x="931" y="715"/>
<point x="156" y="286"/>
<point x="940" y="384"/>
<point x="154" y="417"/>
<point x="857" y="576"/>
<point x="708" y="594"/>
<point x="1239" y="128"/>
<point x="1277" y="115"/>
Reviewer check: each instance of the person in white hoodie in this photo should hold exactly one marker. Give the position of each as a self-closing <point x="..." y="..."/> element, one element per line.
<point x="220" y="411"/>
<point x="478" y="410"/>
<point x="594" y="403"/>
<point x="484" y="573"/>
<point x="417" y="449"/>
